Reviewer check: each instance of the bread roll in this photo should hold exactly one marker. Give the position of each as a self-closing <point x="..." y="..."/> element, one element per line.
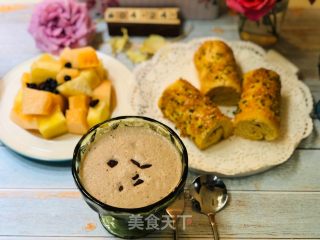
<point x="258" y="114"/>
<point x="218" y="73"/>
<point x="194" y="114"/>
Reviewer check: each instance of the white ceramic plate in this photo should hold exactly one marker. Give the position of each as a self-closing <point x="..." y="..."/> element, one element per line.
<point x="234" y="156"/>
<point x="61" y="148"/>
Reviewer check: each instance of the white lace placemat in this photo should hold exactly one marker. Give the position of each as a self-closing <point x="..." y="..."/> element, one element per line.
<point x="234" y="156"/>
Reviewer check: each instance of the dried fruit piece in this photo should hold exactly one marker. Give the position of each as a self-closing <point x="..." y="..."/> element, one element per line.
<point x="136" y="56"/>
<point x="118" y="44"/>
<point x="152" y="44"/>
<point x="135" y="177"/>
<point x="135" y="162"/>
<point x="138" y="182"/>
<point x="112" y="163"/>
<point x="144" y="166"/>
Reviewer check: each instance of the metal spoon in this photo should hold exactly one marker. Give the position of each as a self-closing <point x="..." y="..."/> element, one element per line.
<point x="209" y="195"/>
<point x="174" y="210"/>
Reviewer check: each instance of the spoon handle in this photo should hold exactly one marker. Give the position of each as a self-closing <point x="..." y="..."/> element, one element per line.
<point x="214" y="226"/>
<point x="175" y="230"/>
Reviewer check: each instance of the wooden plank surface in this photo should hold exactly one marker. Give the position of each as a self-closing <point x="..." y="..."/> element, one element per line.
<point x="248" y="215"/>
<point x="102" y="238"/>
<point x="297" y="174"/>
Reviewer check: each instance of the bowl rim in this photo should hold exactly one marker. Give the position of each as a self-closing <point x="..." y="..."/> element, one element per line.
<point x="144" y="209"/>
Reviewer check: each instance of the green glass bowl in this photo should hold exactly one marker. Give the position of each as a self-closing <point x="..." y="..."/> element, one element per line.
<point x="114" y="219"/>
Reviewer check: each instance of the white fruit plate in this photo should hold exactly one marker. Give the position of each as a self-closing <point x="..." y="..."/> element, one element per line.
<point x="31" y="144"/>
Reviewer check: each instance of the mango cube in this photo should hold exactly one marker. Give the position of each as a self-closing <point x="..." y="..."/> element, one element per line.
<point x="17" y="116"/>
<point x="77" y="121"/>
<point x="52" y="125"/>
<point x="103" y="91"/>
<point x="59" y="101"/>
<point x="41" y="69"/>
<point x="98" y="113"/>
<point x="46" y="57"/>
<point x="101" y="71"/>
<point x="36" y="101"/>
<point x="66" y="73"/>
<point x="79" y="102"/>
<point x="25" y="78"/>
<point x="85" y="57"/>
<point x="83" y="84"/>
<point x="91" y="77"/>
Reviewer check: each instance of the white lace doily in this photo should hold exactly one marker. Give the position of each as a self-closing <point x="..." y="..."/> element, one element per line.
<point x="234" y="156"/>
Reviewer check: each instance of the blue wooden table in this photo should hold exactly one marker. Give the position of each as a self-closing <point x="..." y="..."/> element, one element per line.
<point x="39" y="200"/>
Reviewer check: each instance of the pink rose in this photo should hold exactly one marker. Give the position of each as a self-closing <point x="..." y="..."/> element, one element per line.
<point x="56" y="24"/>
<point x="252" y="9"/>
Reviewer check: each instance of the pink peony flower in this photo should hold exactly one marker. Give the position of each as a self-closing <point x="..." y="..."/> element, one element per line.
<point x="252" y="9"/>
<point x="56" y="24"/>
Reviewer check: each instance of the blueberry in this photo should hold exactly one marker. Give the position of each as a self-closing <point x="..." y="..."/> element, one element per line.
<point x="94" y="102"/>
<point x="67" y="78"/>
<point x="49" y="85"/>
<point x="32" y="85"/>
<point x="53" y="84"/>
<point x="42" y="86"/>
<point x="68" y="65"/>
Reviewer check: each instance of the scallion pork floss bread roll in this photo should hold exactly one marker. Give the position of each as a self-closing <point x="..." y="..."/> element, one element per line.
<point x="258" y="114"/>
<point x="194" y="114"/>
<point x="218" y="72"/>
